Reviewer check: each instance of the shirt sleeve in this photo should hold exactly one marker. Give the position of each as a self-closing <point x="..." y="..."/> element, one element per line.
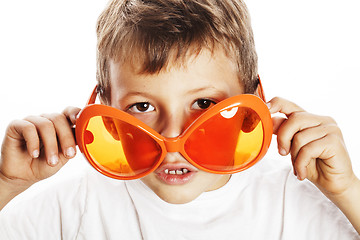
<point x="44" y="210"/>
<point x="308" y="214"/>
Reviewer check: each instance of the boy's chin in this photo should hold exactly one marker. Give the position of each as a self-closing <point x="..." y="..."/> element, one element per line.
<point x="185" y="193"/>
<point x="176" y="195"/>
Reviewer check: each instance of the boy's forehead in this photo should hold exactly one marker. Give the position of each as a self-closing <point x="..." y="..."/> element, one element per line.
<point x="205" y="69"/>
<point x="137" y="61"/>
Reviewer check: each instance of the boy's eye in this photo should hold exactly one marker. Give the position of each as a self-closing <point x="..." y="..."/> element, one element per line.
<point x="141" y="107"/>
<point x="203" y="104"/>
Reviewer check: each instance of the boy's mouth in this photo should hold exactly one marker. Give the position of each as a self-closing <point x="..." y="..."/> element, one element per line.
<point x="175" y="174"/>
<point x="177" y="171"/>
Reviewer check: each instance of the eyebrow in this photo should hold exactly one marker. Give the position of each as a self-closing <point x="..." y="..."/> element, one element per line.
<point x="136" y="93"/>
<point x="212" y="90"/>
<point x="207" y="88"/>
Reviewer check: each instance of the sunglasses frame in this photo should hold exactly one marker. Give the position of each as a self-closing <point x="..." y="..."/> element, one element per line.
<point x="175" y="144"/>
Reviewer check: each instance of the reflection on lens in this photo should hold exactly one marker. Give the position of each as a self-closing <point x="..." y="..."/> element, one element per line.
<point x="248" y="146"/>
<point x="227" y="141"/>
<point x="121" y="148"/>
<point x="229" y="113"/>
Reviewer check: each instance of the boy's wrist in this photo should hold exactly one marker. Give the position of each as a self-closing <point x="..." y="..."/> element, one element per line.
<point x="348" y="203"/>
<point x="10" y="188"/>
<point x="348" y="194"/>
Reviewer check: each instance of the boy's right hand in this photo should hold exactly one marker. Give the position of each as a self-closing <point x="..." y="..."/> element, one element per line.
<point x="37" y="147"/>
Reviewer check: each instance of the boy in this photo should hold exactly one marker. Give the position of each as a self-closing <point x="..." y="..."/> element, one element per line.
<point x="166" y="62"/>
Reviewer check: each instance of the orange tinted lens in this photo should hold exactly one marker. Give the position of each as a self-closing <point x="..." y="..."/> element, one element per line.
<point x="120" y="148"/>
<point x="228" y="141"/>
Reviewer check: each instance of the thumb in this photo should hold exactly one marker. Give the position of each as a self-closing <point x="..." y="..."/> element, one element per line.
<point x="71" y="113"/>
<point x="283" y="106"/>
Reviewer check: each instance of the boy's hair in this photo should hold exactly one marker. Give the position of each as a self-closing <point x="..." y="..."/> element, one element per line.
<point x="154" y="33"/>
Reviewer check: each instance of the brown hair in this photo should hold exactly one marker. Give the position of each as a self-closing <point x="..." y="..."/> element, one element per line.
<point x="150" y="31"/>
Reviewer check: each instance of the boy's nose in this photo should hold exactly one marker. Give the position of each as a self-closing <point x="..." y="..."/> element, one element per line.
<point x="173" y="125"/>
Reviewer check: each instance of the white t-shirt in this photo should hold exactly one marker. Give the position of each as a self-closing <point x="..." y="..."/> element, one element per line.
<point x="264" y="202"/>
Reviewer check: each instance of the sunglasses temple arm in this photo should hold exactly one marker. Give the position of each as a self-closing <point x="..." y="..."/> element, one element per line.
<point x="260" y="90"/>
<point x="92" y="97"/>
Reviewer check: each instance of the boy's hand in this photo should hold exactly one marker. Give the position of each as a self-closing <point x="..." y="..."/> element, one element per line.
<point x="316" y="146"/>
<point x="37" y="147"/>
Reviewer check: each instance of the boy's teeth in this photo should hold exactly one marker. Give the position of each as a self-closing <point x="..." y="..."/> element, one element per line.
<point x="177" y="172"/>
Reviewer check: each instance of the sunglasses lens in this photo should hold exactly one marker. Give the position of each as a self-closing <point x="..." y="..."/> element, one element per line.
<point x="119" y="148"/>
<point x="228" y="141"/>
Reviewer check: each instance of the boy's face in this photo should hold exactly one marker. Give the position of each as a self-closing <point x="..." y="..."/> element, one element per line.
<point x="168" y="102"/>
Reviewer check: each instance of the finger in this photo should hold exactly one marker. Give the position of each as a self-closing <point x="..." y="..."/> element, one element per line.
<point x="303" y="138"/>
<point x="312" y="152"/>
<point x="46" y="130"/>
<point x="295" y="123"/>
<point x="282" y="105"/>
<point x="286" y="107"/>
<point x="22" y="130"/>
<point x="64" y="133"/>
<point x="309" y="135"/>
<point x="71" y="113"/>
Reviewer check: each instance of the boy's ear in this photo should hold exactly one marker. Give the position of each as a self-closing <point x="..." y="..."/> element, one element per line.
<point x="102" y="95"/>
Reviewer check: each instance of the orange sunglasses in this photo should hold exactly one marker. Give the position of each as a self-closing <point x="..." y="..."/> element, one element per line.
<point x="227" y="138"/>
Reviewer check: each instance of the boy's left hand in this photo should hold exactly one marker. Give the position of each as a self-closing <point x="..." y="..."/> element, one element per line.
<point x="316" y="146"/>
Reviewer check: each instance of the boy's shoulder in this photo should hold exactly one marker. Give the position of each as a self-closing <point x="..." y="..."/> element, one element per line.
<point x="74" y="182"/>
<point x="302" y="208"/>
<point x="274" y="176"/>
<point x="61" y="200"/>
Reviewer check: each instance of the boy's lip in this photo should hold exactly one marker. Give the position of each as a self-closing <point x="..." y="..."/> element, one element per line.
<point x="176" y="173"/>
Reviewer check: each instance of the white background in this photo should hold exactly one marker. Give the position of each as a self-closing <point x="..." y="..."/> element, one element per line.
<point x="308" y="53"/>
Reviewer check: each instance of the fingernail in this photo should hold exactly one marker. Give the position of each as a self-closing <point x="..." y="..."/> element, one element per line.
<point x="73" y="118"/>
<point x="268" y="105"/>
<point x="70" y="152"/>
<point x="35" y="154"/>
<point x="282" y="152"/>
<point x="53" y="160"/>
